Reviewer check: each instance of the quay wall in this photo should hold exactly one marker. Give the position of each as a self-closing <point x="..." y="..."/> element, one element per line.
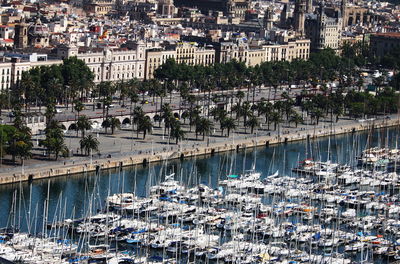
<point x="48" y="170"/>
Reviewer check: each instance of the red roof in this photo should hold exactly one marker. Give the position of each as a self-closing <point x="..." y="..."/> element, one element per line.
<point x="30" y="9"/>
<point x="388" y="35"/>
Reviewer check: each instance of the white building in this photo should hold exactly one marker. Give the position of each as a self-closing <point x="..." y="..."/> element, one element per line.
<point x="13" y="65"/>
<point x="110" y="64"/>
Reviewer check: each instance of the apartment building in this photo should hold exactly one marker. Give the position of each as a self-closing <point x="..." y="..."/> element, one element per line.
<point x="383" y="43"/>
<point x="13" y="65"/>
<point x="183" y="52"/>
<point x="110" y="64"/>
<point x="251" y="56"/>
<point x="191" y="54"/>
<point x="323" y="31"/>
<point x="155" y="58"/>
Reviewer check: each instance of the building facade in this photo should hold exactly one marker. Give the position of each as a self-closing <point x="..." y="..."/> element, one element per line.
<point x="110" y="64"/>
<point x="323" y="31"/>
<point x="98" y="7"/>
<point x="383" y="43"/>
<point x="13" y="65"/>
<point x="183" y="52"/>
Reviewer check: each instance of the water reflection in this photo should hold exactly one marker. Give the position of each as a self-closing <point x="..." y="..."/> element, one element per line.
<point x="78" y="195"/>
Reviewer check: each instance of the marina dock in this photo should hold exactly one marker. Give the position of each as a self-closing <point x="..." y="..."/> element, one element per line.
<point x="47" y="171"/>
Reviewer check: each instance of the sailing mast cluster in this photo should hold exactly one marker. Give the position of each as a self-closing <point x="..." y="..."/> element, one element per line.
<point x="326" y="213"/>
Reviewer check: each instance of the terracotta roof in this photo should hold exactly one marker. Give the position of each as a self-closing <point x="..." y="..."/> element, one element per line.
<point x="29" y="9"/>
<point x="388" y="35"/>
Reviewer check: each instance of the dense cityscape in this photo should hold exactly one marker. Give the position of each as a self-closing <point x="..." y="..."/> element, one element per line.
<point x="93" y="87"/>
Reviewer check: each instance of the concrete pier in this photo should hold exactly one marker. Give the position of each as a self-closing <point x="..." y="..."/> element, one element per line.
<point x="49" y="170"/>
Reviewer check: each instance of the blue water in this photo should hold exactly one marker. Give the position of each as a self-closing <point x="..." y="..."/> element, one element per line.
<point x="22" y="205"/>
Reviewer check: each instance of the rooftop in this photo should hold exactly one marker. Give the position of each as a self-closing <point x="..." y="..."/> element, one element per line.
<point x="388" y="35"/>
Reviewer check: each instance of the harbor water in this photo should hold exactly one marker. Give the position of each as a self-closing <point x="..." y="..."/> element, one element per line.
<point x="27" y="206"/>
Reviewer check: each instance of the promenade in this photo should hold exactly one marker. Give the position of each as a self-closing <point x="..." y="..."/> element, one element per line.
<point x="122" y="151"/>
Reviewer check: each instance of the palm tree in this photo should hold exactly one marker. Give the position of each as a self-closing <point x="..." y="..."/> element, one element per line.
<point x="114" y="123"/>
<point x="296" y="118"/>
<point x="137" y="115"/>
<point x="133" y="85"/>
<point x="203" y="126"/>
<point x="317" y="114"/>
<point x="265" y="108"/>
<point x="145" y="126"/>
<point x="276" y="118"/>
<point x="246" y="112"/>
<point x="252" y="122"/>
<point x="78" y="106"/>
<point x="194" y="113"/>
<point x="167" y="115"/>
<point x="54" y="141"/>
<point x="106" y="124"/>
<point x="338" y="111"/>
<point x="185" y="115"/>
<point x="237" y="108"/>
<point x="177" y="132"/>
<point x="4" y="100"/>
<point x="240" y="95"/>
<point x="228" y="123"/>
<point x="89" y="143"/>
<point x="83" y="124"/>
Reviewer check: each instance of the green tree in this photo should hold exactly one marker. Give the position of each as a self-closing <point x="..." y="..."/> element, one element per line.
<point x="89" y="144"/>
<point x="317" y="114"/>
<point x="106" y="124"/>
<point x="145" y="125"/>
<point x="78" y="106"/>
<point x="20" y="144"/>
<point x="177" y="132"/>
<point x="296" y="118"/>
<point x="252" y="122"/>
<point x="54" y="141"/>
<point x="276" y="118"/>
<point x="4" y="100"/>
<point x="77" y="76"/>
<point x="203" y="127"/>
<point x="83" y="124"/>
<point x="229" y="124"/>
<point x="114" y="123"/>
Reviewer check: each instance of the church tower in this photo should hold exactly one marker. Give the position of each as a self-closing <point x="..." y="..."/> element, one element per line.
<point x="268" y="19"/>
<point x="343" y="13"/>
<point x="283" y="18"/>
<point x="299" y="17"/>
<point x="21" y="35"/>
<point x="309" y="7"/>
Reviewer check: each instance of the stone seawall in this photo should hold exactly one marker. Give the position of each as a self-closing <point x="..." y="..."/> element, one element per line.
<point x="48" y="170"/>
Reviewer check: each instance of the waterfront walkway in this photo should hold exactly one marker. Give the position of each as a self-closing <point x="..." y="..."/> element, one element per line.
<point x="120" y="150"/>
